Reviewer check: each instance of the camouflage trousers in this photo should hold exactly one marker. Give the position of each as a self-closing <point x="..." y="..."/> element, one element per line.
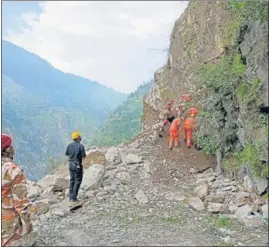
<point x="160" y="128"/>
<point x="26" y="240"/>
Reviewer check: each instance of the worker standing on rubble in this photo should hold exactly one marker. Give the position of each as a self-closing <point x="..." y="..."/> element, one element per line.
<point x="190" y="125"/>
<point x="76" y="152"/>
<point x="174" y="133"/>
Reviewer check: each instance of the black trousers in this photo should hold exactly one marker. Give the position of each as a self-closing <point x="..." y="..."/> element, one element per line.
<point x="76" y="175"/>
<point x="171" y="119"/>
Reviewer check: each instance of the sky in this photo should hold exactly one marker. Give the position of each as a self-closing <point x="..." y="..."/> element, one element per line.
<point x="119" y="44"/>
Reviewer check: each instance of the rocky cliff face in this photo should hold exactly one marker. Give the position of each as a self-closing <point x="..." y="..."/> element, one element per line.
<point x="219" y="54"/>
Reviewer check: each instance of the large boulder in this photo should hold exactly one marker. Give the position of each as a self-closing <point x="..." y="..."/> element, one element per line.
<point x="203" y="191"/>
<point x="94" y="157"/>
<point x="42" y="206"/>
<point x="261" y="185"/>
<point x="132" y="159"/>
<point x="196" y="204"/>
<point x="56" y="182"/>
<point x="33" y="191"/>
<point x="92" y="177"/>
<point x="113" y="156"/>
<point x="216" y="207"/>
<point x="215" y="198"/>
<point x="243" y="212"/>
<point x="49" y="195"/>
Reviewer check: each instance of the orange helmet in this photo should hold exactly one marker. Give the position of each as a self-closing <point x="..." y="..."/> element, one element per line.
<point x="193" y="111"/>
<point x="186" y="97"/>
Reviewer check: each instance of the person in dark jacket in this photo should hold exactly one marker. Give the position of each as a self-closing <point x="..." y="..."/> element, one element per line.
<point x="76" y="152"/>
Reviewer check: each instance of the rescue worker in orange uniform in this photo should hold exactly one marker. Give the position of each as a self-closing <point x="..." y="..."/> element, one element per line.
<point x="15" y="218"/>
<point x="190" y="125"/>
<point x="174" y="133"/>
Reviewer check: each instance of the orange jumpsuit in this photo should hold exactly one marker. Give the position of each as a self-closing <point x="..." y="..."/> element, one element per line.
<point x="188" y="129"/>
<point x="174" y="133"/>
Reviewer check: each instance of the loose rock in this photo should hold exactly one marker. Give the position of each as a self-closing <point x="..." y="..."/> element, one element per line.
<point x="124" y="177"/>
<point x="132" y="159"/>
<point x="216" y="207"/>
<point x="42" y="206"/>
<point x="202" y="191"/>
<point x="264" y="209"/>
<point x="112" y="156"/>
<point x="92" y="177"/>
<point x="243" y="211"/>
<point x="141" y="197"/>
<point x="57" y="183"/>
<point x="196" y="204"/>
<point x="215" y="198"/>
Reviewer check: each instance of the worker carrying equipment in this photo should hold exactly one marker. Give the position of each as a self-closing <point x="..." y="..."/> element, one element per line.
<point x="174" y="133"/>
<point x="190" y="125"/>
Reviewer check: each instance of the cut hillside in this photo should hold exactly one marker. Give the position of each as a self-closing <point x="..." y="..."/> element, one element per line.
<point x="124" y="122"/>
<point x="219" y="54"/>
<point x="41" y="106"/>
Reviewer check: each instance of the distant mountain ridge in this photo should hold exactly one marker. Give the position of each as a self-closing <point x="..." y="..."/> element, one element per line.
<point x="125" y="121"/>
<point x="41" y="106"/>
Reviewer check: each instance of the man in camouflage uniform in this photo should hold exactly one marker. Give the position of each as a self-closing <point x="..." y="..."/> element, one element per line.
<point x="16" y="220"/>
<point x="166" y="117"/>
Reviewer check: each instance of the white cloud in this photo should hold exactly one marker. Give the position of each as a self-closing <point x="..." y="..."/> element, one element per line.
<point x="119" y="44"/>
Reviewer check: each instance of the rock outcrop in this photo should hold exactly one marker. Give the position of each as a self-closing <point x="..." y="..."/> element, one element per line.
<point x="219" y="55"/>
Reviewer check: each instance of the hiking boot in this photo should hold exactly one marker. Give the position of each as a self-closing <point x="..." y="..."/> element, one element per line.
<point x="75" y="203"/>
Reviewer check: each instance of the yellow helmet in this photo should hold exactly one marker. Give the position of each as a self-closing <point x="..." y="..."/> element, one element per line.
<point x="75" y="135"/>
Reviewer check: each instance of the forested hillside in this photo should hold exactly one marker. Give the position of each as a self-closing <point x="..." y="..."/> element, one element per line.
<point x="41" y="106"/>
<point x="125" y="121"/>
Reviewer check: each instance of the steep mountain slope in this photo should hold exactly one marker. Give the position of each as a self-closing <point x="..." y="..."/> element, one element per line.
<point x="143" y="193"/>
<point x="42" y="106"/>
<point x="219" y="54"/>
<point x="125" y="121"/>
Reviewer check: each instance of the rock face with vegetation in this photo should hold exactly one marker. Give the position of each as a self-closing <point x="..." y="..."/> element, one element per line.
<point x="219" y="54"/>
